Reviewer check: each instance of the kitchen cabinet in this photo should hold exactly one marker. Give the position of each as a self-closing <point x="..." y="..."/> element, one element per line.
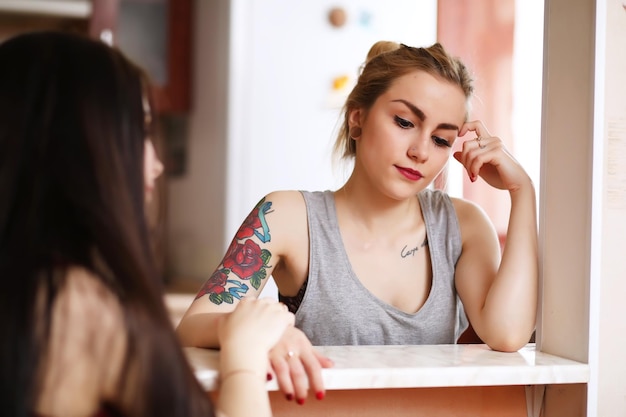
<point x="156" y="34"/>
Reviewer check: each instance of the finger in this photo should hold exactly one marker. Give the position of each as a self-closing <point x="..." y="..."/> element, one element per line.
<point x="475" y="126"/>
<point x="475" y="166"/>
<point x="269" y="370"/>
<point x="467" y="156"/>
<point x="466" y="127"/>
<point x="313" y="367"/>
<point x="283" y="376"/>
<point x="299" y="378"/>
<point x="470" y="126"/>
<point x="324" y="361"/>
<point x="481" y="143"/>
<point x="485" y="157"/>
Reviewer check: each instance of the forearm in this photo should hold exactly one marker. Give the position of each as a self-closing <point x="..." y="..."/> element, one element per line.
<point x="244" y="394"/>
<point x="199" y="330"/>
<point x="511" y="304"/>
<point x="243" y="379"/>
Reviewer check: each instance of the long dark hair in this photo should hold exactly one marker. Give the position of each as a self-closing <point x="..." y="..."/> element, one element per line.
<point x="72" y="194"/>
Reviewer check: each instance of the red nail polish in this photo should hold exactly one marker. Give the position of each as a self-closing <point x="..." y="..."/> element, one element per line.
<point x="289" y="397"/>
<point x="320" y="395"/>
<point x="300" y="401"/>
<point x="269" y="376"/>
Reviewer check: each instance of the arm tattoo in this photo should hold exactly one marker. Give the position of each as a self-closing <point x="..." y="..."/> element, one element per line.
<point x="244" y="259"/>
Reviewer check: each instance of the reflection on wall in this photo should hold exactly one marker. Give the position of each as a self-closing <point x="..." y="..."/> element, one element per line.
<point x="501" y="41"/>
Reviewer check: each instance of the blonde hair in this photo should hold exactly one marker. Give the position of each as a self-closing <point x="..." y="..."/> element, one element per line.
<point x="385" y="62"/>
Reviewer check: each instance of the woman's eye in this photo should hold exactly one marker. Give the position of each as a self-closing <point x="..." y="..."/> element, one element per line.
<point x="441" y="142"/>
<point x="403" y="123"/>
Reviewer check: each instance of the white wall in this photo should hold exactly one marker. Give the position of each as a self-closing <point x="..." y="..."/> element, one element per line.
<point x="283" y="111"/>
<point x="264" y="111"/>
<point x="607" y="396"/>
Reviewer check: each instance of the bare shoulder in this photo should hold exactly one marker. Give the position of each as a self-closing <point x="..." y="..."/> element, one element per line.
<point x="473" y="219"/>
<point x="289" y="227"/>
<point x="86" y="296"/>
<point x="289" y="200"/>
<point x="86" y="347"/>
<point x="466" y="208"/>
<point x="287" y="214"/>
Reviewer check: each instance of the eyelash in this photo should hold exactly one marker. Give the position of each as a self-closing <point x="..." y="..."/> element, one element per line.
<point x="441" y="142"/>
<point x="406" y="124"/>
<point x="403" y="123"/>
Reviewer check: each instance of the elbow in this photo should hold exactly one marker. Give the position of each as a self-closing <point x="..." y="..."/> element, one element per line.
<point x="509" y="342"/>
<point x="506" y="333"/>
<point x="506" y="346"/>
<point x="182" y="335"/>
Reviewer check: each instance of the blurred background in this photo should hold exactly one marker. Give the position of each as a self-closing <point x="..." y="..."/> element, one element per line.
<point x="249" y="94"/>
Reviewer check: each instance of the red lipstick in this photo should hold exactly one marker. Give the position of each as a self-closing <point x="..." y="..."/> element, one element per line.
<point x="410" y="174"/>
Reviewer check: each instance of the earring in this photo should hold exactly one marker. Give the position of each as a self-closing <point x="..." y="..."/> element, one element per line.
<point x="355" y="132"/>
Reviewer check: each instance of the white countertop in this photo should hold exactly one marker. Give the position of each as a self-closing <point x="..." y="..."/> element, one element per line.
<point x="365" y="367"/>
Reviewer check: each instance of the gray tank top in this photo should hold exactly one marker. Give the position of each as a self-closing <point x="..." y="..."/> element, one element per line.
<point x="336" y="309"/>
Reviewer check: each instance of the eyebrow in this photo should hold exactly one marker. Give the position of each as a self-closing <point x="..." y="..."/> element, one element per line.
<point x="420" y="115"/>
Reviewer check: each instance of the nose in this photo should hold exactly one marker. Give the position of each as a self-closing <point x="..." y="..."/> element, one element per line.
<point x="158" y="166"/>
<point x="418" y="150"/>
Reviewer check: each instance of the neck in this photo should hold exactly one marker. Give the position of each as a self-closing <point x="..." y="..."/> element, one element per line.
<point x="376" y="213"/>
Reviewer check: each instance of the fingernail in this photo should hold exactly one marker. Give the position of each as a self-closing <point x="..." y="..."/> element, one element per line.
<point x="269" y="376"/>
<point x="300" y="401"/>
<point x="289" y="397"/>
<point x="320" y="395"/>
<point x="473" y="178"/>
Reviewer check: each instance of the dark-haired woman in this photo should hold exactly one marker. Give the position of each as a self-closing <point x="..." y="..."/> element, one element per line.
<point x="84" y="328"/>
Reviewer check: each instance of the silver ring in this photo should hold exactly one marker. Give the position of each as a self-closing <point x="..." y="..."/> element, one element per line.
<point x="480" y="145"/>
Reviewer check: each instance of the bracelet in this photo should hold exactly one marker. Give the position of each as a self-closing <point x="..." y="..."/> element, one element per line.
<point x="228" y="374"/>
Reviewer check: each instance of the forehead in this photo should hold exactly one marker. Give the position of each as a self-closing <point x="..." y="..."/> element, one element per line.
<point x="435" y="96"/>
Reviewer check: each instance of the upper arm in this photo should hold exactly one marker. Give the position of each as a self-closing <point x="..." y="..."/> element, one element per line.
<point x="478" y="264"/>
<point x="86" y="348"/>
<point x="260" y="246"/>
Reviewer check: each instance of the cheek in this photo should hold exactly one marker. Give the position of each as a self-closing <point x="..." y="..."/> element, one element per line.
<point x="152" y="167"/>
<point x="147" y="164"/>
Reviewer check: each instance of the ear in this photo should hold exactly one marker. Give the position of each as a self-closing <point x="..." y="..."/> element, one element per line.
<point x="354" y="118"/>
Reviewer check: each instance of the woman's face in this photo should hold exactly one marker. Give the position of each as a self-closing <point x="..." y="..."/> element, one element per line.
<point x="407" y="135"/>
<point x="152" y="168"/>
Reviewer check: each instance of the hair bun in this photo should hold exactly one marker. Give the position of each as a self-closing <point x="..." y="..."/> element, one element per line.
<point x="381" y="47"/>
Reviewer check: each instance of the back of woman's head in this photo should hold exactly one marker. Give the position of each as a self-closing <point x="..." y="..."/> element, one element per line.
<point x="71" y="147"/>
<point x="72" y="135"/>
<point x="387" y="61"/>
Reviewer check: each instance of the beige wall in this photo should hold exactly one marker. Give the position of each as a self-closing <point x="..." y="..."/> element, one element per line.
<point x="196" y="207"/>
<point x="608" y="292"/>
<point x="583" y="222"/>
